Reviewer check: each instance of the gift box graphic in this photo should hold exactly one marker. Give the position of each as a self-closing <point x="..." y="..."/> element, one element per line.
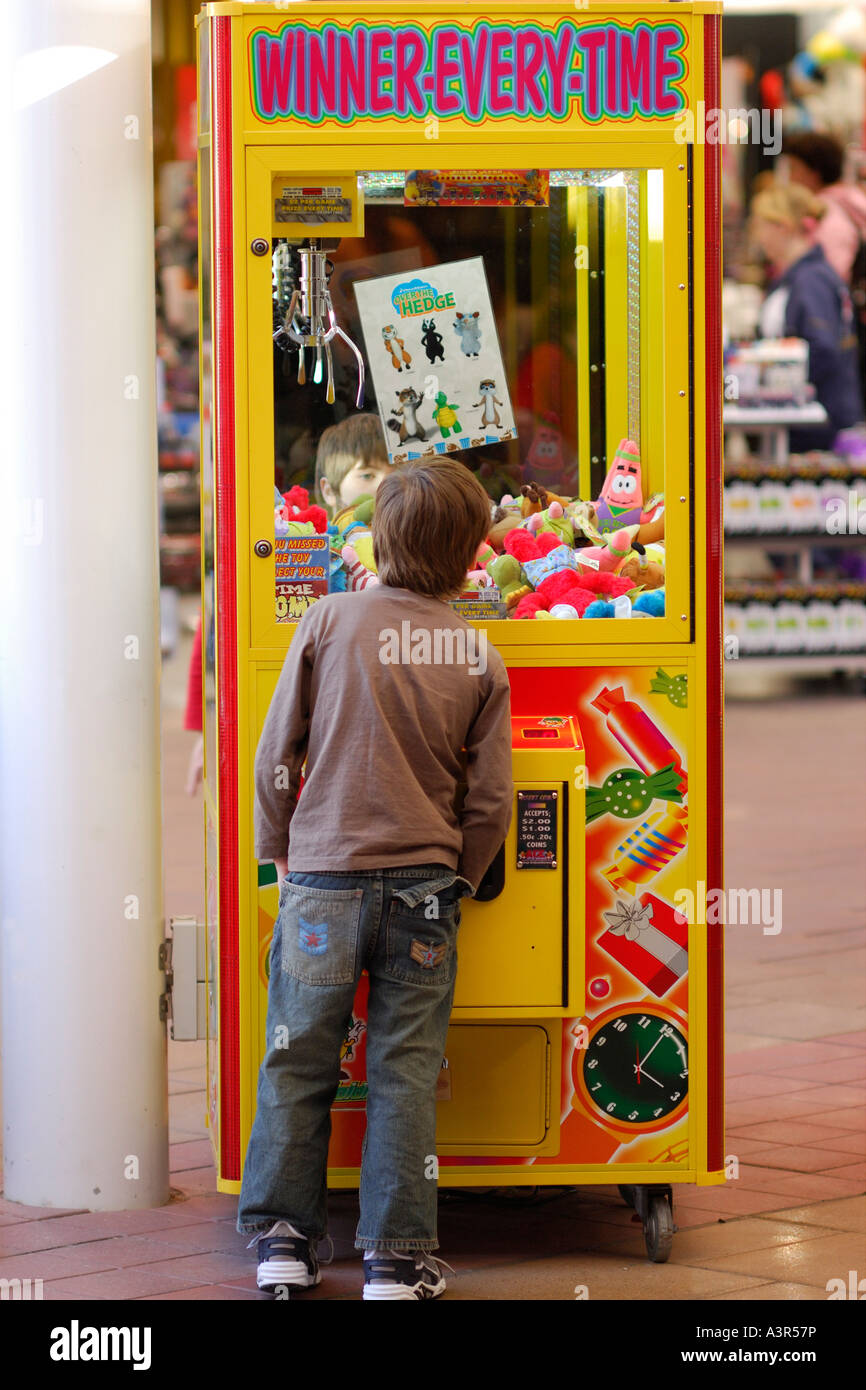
<point x="649" y="939"/>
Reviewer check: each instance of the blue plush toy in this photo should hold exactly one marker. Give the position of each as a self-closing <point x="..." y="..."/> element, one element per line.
<point x="337" y="576"/>
<point x="651" y="603"/>
<point x="599" y="608"/>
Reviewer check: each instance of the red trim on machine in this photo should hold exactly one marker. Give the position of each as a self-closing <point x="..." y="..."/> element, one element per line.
<point x="226" y="598"/>
<point x="715" y="619"/>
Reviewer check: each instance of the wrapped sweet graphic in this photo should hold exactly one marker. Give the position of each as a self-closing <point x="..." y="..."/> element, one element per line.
<point x="629" y="793"/>
<point x="675" y="687"/>
<point x="642" y="739"/>
<point x="649" y="939"/>
<point x="648" y="849"/>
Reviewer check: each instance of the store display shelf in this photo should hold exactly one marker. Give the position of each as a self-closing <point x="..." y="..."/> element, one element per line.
<point x="795" y="466"/>
<point x="773" y="416"/>
<point x="807" y="662"/>
<point x="791" y="540"/>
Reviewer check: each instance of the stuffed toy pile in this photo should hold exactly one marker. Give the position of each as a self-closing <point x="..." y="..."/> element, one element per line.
<point x="548" y="556"/>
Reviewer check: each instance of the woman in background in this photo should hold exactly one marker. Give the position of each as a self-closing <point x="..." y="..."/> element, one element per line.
<point x="807" y="299"/>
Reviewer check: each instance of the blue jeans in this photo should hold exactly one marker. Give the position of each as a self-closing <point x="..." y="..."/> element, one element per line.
<point x="401" y="926"/>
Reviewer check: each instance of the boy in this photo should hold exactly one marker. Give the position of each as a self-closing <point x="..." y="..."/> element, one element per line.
<point x="380" y="856"/>
<point x="351" y="460"/>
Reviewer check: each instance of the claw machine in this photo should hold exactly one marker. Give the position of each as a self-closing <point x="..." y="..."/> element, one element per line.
<point x="499" y="237"/>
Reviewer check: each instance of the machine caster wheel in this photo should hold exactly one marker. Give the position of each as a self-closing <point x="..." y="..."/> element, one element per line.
<point x="659" y="1229"/>
<point x="627" y="1194"/>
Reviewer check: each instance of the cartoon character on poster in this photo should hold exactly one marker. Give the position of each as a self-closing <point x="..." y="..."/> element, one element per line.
<point x="490" y="418"/>
<point x="444" y="314"/>
<point x="432" y="342"/>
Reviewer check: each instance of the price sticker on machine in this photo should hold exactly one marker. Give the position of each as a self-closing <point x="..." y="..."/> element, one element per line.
<point x="536" y="829"/>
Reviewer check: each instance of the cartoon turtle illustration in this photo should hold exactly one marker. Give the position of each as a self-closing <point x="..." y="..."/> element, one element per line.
<point x="445" y="415"/>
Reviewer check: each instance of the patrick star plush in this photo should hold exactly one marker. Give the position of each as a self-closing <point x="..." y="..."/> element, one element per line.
<point x="620" y="501"/>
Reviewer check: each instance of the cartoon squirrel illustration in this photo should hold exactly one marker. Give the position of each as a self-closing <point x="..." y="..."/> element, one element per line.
<point x="392" y="343"/>
<point x="468" y="330"/>
<point x="432" y="341"/>
<point x="407" y="425"/>
<point x="489" y="402"/>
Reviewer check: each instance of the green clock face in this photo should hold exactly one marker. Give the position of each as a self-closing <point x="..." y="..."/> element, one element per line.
<point x="635" y="1069"/>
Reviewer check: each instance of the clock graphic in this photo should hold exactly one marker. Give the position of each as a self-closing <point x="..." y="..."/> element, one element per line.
<point x="633" y="1075"/>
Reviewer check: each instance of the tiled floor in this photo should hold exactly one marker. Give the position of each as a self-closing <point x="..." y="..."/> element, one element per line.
<point x="793" y="1218"/>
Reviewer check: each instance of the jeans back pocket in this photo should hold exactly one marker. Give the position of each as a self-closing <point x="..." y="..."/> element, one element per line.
<point x="319" y="929"/>
<point x="421" y="942"/>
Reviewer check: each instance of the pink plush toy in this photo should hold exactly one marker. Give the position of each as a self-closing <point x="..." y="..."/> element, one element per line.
<point x="620" y="501"/>
<point x="607" y="557"/>
<point x="483" y="556"/>
<point x="357" y="575"/>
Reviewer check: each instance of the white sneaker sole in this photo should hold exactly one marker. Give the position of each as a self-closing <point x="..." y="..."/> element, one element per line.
<point x="274" y="1274"/>
<point x="380" y="1292"/>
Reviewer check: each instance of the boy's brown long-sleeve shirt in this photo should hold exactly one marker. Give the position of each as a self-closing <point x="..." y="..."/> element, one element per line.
<point x="374" y="695"/>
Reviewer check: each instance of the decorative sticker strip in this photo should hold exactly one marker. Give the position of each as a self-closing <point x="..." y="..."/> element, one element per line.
<point x="487" y="188"/>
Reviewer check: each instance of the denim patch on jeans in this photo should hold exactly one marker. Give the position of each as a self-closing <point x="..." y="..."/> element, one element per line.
<point x="330" y="927"/>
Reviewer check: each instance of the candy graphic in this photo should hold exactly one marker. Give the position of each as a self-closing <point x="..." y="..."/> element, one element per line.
<point x="628" y="793"/>
<point x="675" y="687"/>
<point x="648" y="849"/>
<point x="638" y="735"/>
<point x="649" y="938"/>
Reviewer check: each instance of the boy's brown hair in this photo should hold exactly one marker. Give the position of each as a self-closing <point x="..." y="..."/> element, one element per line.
<point x="341" y="446"/>
<point x="429" y="521"/>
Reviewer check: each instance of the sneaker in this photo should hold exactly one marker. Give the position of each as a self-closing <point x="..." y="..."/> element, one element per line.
<point x="417" y="1275"/>
<point x="286" y="1259"/>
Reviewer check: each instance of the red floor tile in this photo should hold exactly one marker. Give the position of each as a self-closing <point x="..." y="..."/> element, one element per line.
<point x="855" y="1171"/>
<point x="798" y="1159"/>
<point x="782" y="1106"/>
<point x="213" y="1293"/>
<point x="204" y="1236"/>
<point x="837" y="1097"/>
<point x="849" y="1118"/>
<point x="117" y="1284"/>
<point x="23" y="1213"/>
<point x="217" y="1205"/>
<point x="848" y="1039"/>
<point x="796" y="1054"/>
<point x="205" y="1267"/>
<point x="834" y="1073"/>
<point x="731" y="1201"/>
<point x="853" y="1143"/>
<point x="750" y="1085"/>
<point x="813" y="1187"/>
<point x="790" y="1131"/>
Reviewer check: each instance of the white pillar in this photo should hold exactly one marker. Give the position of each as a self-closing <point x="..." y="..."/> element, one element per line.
<point x="85" y="1109"/>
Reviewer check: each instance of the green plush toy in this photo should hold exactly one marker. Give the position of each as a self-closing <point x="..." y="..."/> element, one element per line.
<point x="507" y="573"/>
<point x="558" y="525"/>
<point x="353" y="528"/>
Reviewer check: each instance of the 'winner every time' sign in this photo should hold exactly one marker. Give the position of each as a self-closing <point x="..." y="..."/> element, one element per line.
<point x="490" y="71"/>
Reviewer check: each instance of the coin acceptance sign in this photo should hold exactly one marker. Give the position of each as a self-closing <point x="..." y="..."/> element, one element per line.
<point x="536" y="830"/>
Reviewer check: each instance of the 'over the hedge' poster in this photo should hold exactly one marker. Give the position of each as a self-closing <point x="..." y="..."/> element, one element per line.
<point x="434" y="355"/>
